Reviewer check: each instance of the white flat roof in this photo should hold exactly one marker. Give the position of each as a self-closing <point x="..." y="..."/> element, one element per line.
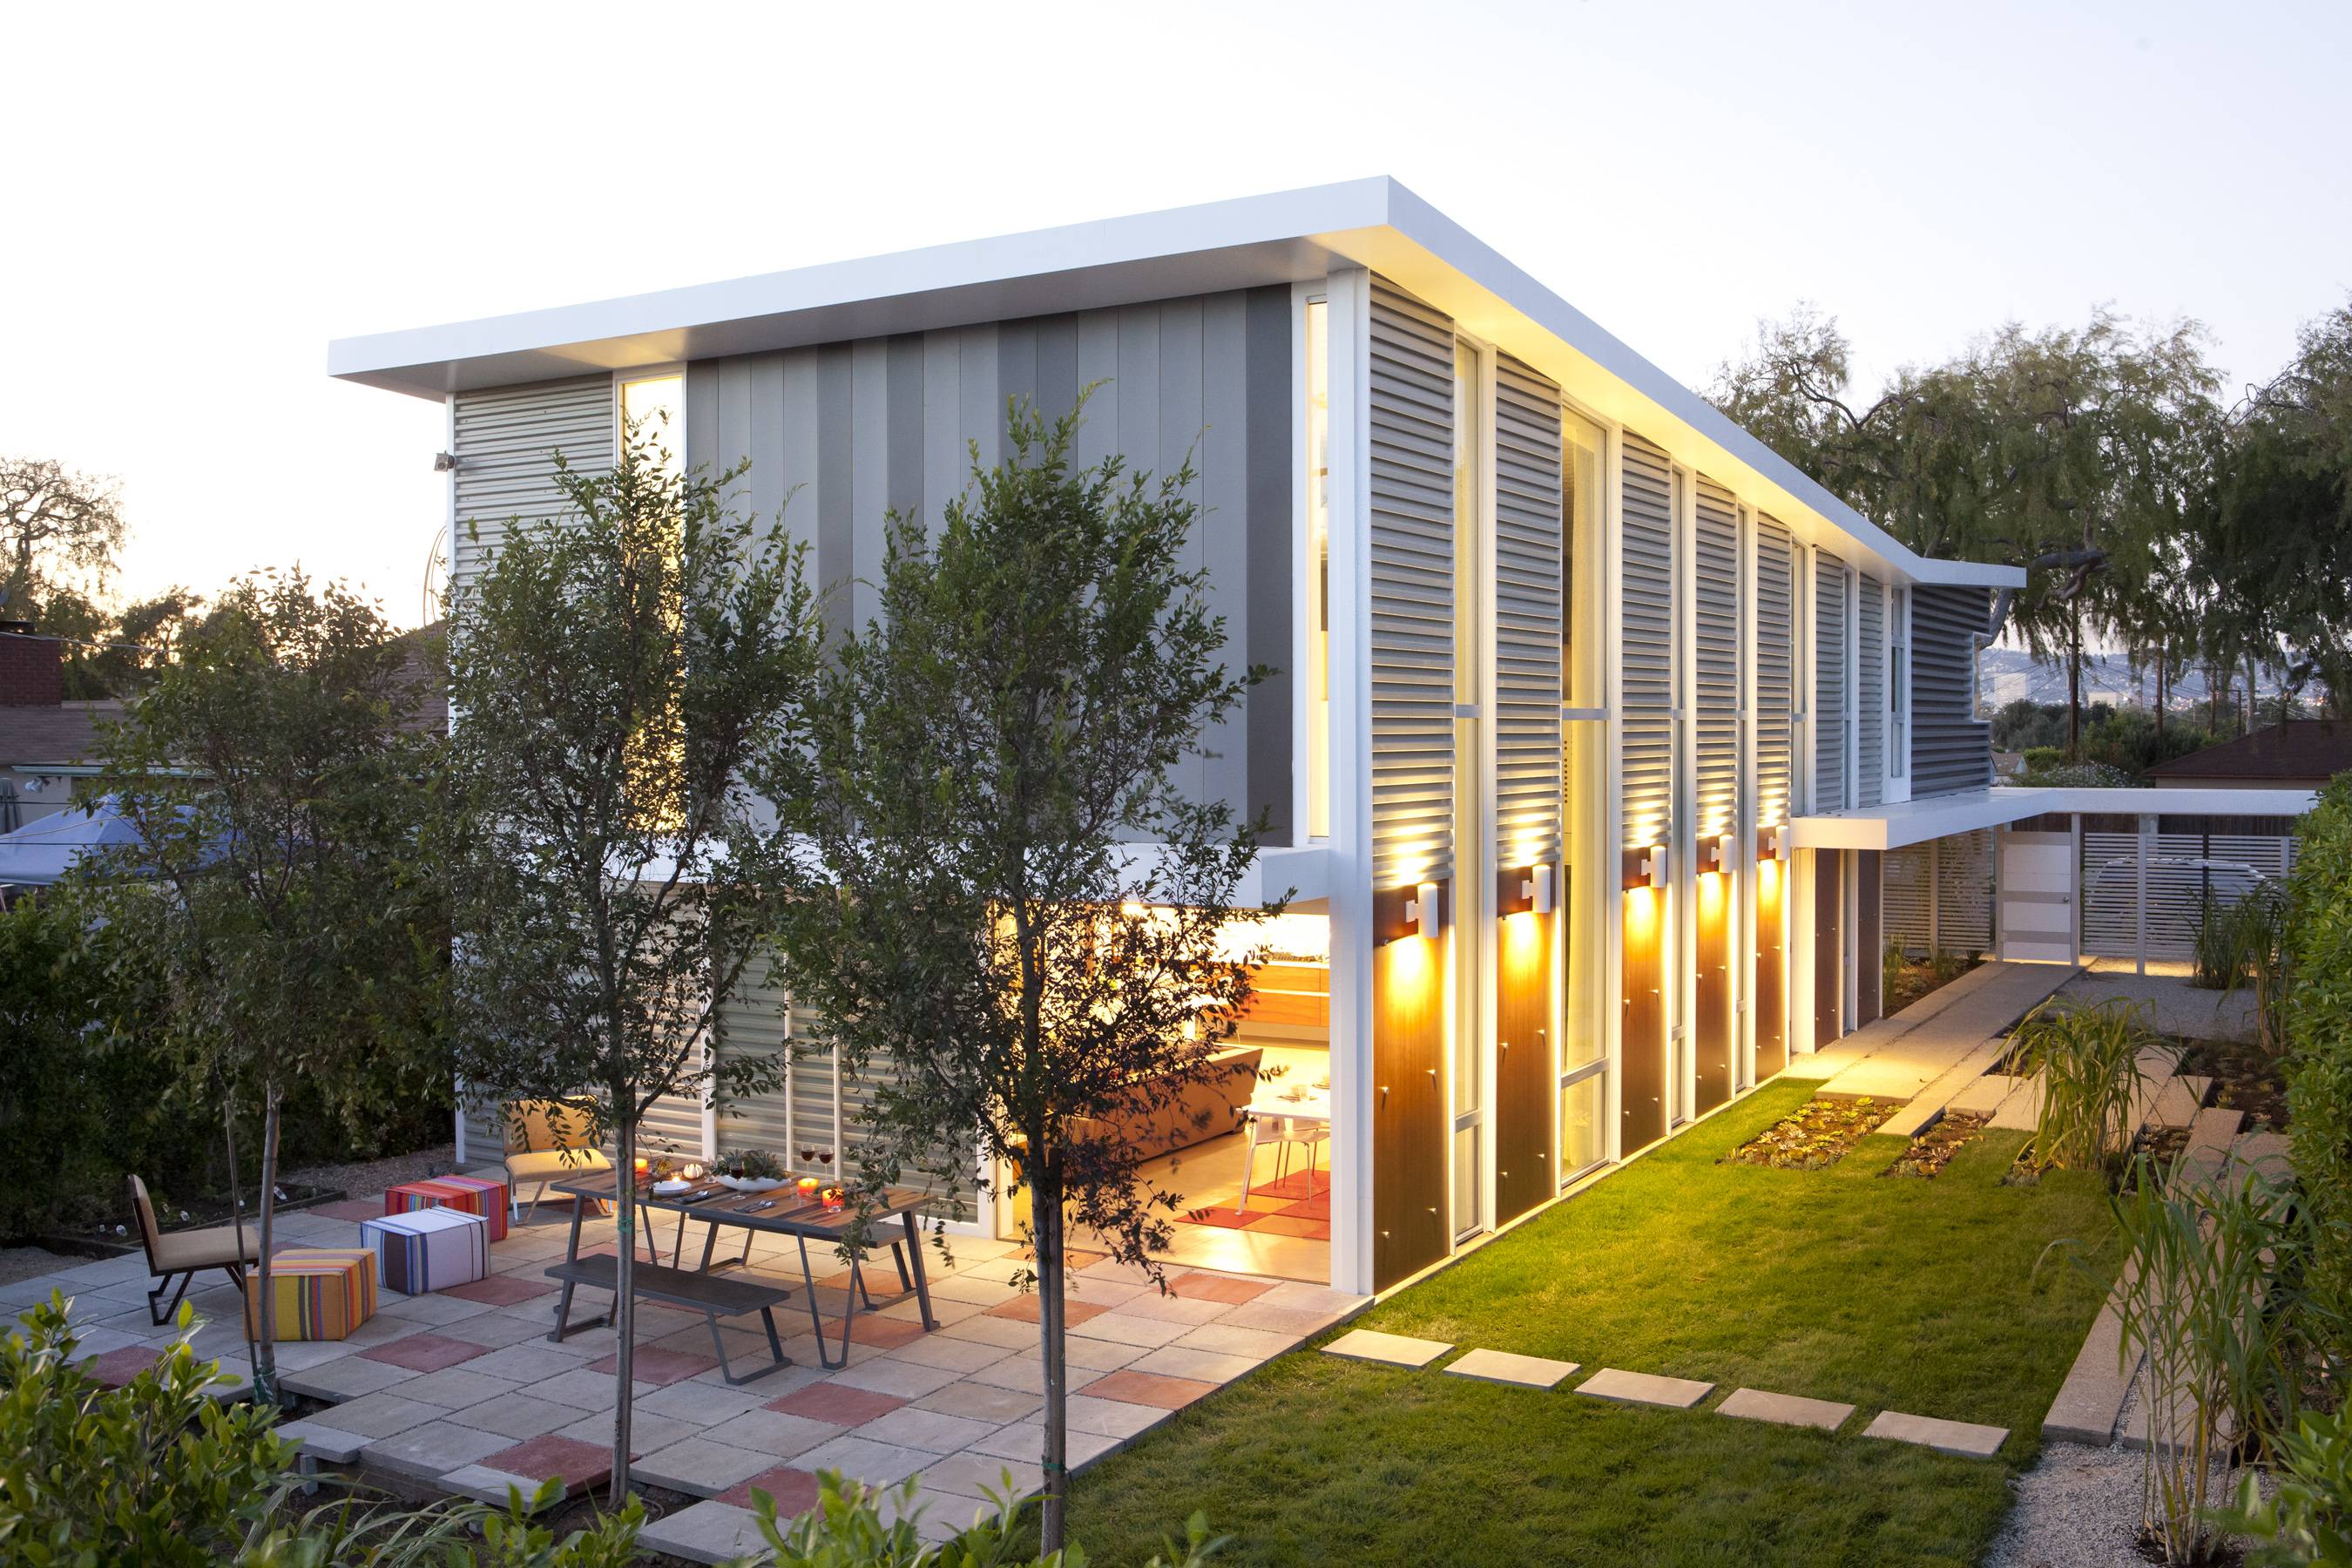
<point x="1284" y="237"/>
<point x="1916" y="821"/>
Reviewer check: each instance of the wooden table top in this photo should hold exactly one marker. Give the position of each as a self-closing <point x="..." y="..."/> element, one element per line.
<point x="787" y="1210"/>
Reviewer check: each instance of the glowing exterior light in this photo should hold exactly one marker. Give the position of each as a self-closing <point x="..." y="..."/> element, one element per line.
<point x="1537" y="888"/>
<point x="1422" y="913"/>
<point x="1718" y="854"/>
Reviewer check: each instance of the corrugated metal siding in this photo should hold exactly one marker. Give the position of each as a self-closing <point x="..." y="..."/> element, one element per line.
<point x="1950" y="751"/>
<point x="1413" y="589"/>
<point x="1527" y="616"/>
<point x="850" y="431"/>
<point x="1717" y="672"/>
<point x="1832" y="661"/>
<point x="1646" y="719"/>
<point x="505" y="443"/>
<point x="1775" y="667"/>
<point x="1870" y="703"/>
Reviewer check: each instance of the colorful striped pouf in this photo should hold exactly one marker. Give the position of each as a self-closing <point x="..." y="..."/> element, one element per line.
<point x="429" y="1249"/>
<point x="321" y="1293"/>
<point x="474" y="1194"/>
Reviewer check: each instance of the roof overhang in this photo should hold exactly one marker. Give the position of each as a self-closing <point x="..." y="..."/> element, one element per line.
<point x="1289" y="237"/>
<point x="1936" y="816"/>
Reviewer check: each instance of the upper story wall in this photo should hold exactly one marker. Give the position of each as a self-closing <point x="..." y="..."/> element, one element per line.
<point x="1951" y="749"/>
<point x="852" y="431"/>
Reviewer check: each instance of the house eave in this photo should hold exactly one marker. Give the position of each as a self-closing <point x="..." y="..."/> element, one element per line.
<point x="1906" y="823"/>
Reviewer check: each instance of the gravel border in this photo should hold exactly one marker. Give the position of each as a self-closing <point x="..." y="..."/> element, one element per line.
<point x="366" y="1178"/>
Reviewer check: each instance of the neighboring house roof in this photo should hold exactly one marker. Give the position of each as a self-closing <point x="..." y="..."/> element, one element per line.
<point x="1289" y="237"/>
<point x="66" y="734"/>
<point x="2298" y="749"/>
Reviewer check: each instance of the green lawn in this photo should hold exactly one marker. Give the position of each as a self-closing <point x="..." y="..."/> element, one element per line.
<point x="1886" y="1292"/>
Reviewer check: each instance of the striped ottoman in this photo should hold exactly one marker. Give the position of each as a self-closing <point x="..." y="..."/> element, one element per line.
<point x="321" y="1293"/>
<point x="474" y="1194"/>
<point x="429" y="1249"/>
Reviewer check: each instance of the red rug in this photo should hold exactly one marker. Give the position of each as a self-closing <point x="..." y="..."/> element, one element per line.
<point x="1296" y="1204"/>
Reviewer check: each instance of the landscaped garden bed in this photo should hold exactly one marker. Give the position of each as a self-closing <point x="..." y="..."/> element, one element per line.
<point x="1817" y="1136"/>
<point x="2246" y="1078"/>
<point x="1933" y="1150"/>
<point x="1906" y="980"/>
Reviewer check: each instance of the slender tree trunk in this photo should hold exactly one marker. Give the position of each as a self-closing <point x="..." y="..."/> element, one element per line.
<point x="2075" y="686"/>
<point x="1045" y="1239"/>
<point x="265" y="1353"/>
<point x="236" y="1223"/>
<point x="2163" y="667"/>
<point x="2252" y="699"/>
<point x="624" y="1306"/>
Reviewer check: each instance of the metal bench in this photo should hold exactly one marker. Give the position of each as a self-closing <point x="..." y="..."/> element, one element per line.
<point x="713" y="1297"/>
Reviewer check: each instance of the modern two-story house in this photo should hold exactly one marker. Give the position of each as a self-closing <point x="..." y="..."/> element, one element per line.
<point x="1594" y="717"/>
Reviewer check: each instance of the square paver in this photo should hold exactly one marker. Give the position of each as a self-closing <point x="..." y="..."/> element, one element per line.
<point x="901" y="1379"/>
<point x="954" y="1355"/>
<point x="381" y="1415"/>
<point x="933" y="1431"/>
<point x="433" y="1449"/>
<point x="660" y="1368"/>
<point x="116" y="1367"/>
<point x="1518" y="1371"/>
<point x="1787" y="1409"/>
<point x="551" y="1458"/>
<point x="588" y="1390"/>
<point x="1126" y="1329"/>
<point x="1386" y="1349"/>
<point x="794" y="1489"/>
<point x="776" y="1434"/>
<point x="700" y="1466"/>
<point x="1962" y="1438"/>
<point x="320" y="1441"/>
<point x="982" y="1401"/>
<point x="346" y="1377"/>
<point x="1024" y="1309"/>
<point x="501" y="1290"/>
<point x="425" y="1352"/>
<point x="516" y="1415"/>
<point x="1120" y="1418"/>
<point x="1644" y="1388"/>
<point x="456" y="1387"/>
<point x="838" y="1402"/>
<point x="1183" y="1361"/>
<point x="1133" y="1387"/>
<point x="1222" y="1288"/>
<point x="708" y="1531"/>
<point x="862" y="1459"/>
<point x="975" y="1475"/>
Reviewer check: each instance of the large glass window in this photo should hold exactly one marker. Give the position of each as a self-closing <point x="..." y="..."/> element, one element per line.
<point x="1318" y="569"/>
<point x="653" y="418"/>
<point x="1583" y="691"/>
<point x="1473" y="949"/>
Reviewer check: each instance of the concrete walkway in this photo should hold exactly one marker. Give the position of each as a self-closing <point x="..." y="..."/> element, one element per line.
<point x="1936" y="1048"/>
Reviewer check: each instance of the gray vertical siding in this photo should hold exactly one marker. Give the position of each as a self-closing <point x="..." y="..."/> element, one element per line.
<point x="1527" y="616"/>
<point x="1412" y="484"/>
<point x="840" y="435"/>
<point x="1645" y="724"/>
<point x="1950" y="751"/>
<point x="1716" y="675"/>
<point x="1870" y="704"/>
<point x="1832" y="669"/>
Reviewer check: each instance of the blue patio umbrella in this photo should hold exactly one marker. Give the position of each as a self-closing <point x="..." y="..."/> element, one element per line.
<point x="44" y="849"/>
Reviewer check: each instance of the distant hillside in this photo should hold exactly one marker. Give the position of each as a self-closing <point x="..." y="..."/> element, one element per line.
<point x="2006" y="674"/>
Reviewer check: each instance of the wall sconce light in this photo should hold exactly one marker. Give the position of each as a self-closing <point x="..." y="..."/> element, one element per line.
<point x="1646" y="868"/>
<point x="1718" y="853"/>
<point x="1424" y="913"/>
<point x="1773" y="843"/>
<point x="1537" y="888"/>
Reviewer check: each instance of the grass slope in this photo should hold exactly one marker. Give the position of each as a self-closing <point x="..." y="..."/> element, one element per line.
<point x="1886" y="1293"/>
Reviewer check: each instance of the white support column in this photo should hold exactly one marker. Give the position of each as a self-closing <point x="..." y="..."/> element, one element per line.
<point x="1352" y="782"/>
<point x="1744" y="823"/>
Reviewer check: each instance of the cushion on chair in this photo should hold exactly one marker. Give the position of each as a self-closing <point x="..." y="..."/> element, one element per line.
<point x="215" y="1246"/>
<point x="321" y="1293"/>
<point x="540" y="1125"/>
<point x="429" y="1249"/>
<point x="474" y="1194"/>
<point x="554" y="1164"/>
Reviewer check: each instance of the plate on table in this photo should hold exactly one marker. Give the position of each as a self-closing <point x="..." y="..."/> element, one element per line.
<point x="752" y="1183"/>
<point x="671" y="1188"/>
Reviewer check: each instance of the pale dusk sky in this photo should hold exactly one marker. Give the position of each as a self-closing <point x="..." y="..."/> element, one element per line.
<point x="205" y="197"/>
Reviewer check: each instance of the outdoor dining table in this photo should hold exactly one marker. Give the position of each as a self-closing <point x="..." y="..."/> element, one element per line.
<point x="783" y="1212"/>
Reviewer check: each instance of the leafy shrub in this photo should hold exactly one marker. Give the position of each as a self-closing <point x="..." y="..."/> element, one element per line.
<point x="2318" y="1016"/>
<point x="847" y="1529"/>
<point x="2308" y="1516"/>
<point x="154" y="1472"/>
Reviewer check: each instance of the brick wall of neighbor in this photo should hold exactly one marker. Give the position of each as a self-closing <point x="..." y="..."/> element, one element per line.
<point x="32" y="668"/>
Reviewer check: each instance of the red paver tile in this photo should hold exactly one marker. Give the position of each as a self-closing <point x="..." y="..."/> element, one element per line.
<point x="796" y="1492"/>
<point x="425" y="1352"/>
<point x="882" y="1283"/>
<point x="837" y="1403"/>
<point x="658" y="1367"/>
<point x="1297" y="1184"/>
<point x="1024" y="1308"/>
<point x="1223" y="1217"/>
<point x="1217" y="1287"/>
<point x="501" y="1290"/>
<point x="1307" y="1208"/>
<point x="351" y="1208"/>
<point x="579" y="1464"/>
<point x="117" y="1367"/>
<point x="882" y="1334"/>
<point x="1147" y="1388"/>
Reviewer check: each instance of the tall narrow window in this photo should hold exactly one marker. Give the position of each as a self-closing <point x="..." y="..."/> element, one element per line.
<point x="653" y="426"/>
<point x="1585" y="842"/>
<point x="653" y="417"/>
<point x="1898" y="686"/>
<point x="1318" y="569"/>
<point x="1473" y="980"/>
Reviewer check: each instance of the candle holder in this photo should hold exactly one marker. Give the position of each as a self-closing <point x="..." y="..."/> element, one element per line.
<point x="808" y="1186"/>
<point x="832" y="1199"/>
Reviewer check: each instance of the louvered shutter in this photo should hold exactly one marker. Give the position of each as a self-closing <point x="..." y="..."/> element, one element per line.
<point x="1527" y="616"/>
<point x="1870" y="703"/>
<point x="1717" y="672"/>
<point x="1645" y="725"/>
<point x="1775" y="670"/>
<point x="1832" y="660"/>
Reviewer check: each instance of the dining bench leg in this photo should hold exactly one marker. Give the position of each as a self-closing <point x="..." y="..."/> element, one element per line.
<point x="922" y="1286"/>
<point x="775" y="1349"/>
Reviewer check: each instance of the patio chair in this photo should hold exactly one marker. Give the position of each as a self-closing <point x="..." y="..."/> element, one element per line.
<point x="1285" y="1134"/>
<point x="187" y="1253"/>
<point x="547" y="1141"/>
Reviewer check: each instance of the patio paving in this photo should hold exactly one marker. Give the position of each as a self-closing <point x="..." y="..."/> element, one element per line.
<point x="1518" y="1371"/>
<point x="1965" y="1439"/>
<point x="1644" y="1388"/>
<point x="463" y="1390"/>
<point x="1387" y="1349"/>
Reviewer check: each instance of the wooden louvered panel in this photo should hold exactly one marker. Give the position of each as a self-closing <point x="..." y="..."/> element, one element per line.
<point x="1526" y="617"/>
<point x="1774" y="670"/>
<point x="1870" y="704"/>
<point x="1645" y="727"/>
<point x="1411" y="485"/>
<point x="1833" y="664"/>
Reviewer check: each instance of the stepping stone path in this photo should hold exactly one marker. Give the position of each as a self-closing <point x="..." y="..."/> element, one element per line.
<point x="1962" y="1438"/>
<point x="1643" y="1388"/>
<point x="1520" y="1371"/>
<point x="1786" y="1410"/>
<point x="1386" y="1349"/>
